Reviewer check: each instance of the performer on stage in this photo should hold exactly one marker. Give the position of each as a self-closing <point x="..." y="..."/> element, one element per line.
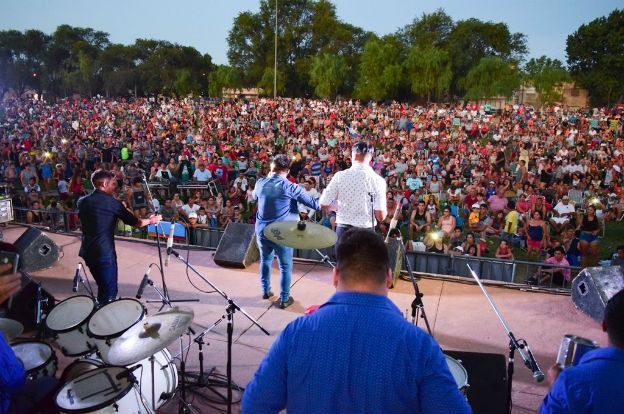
<point x="277" y="201"/>
<point x="99" y="212"/>
<point x="350" y="191"/>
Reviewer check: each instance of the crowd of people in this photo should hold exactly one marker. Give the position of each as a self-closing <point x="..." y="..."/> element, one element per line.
<point x="459" y="175"/>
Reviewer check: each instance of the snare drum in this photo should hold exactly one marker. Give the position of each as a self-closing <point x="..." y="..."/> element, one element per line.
<point x="79" y="367"/>
<point x="111" y="321"/>
<point x="460" y="375"/>
<point x="100" y="391"/>
<point x="572" y="349"/>
<point x="68" y="320"/>
<point x="163" y="382"/>
<point x="38" y="358"/>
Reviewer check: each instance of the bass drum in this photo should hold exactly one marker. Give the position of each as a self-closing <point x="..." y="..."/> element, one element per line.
<point x="158" y="387"/>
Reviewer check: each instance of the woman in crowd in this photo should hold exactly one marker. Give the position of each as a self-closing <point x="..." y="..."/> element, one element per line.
<point x="537" y="234"/>
<point x="590" y="228"/>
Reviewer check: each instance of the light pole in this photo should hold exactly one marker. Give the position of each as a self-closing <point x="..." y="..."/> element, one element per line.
<point x="275" y="57"/>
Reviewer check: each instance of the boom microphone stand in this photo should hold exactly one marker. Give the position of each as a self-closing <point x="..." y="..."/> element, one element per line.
<point x="514" y="344"/>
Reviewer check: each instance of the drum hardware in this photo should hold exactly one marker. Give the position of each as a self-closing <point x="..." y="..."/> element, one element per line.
<point x="520" y="345"/>
<point x="231" y="309"/>
<point x="78" y="280"/>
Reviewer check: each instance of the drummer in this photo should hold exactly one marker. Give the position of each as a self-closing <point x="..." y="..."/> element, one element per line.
<point x="277" y="201"/>
<point x="16" y="394"/>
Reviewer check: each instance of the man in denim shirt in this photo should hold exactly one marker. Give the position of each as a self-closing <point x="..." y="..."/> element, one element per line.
<point x="277" y="201"/>
<point x="356" y="353"/>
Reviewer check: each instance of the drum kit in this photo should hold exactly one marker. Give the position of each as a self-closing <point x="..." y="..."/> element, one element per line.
<point x="122" y="362"/>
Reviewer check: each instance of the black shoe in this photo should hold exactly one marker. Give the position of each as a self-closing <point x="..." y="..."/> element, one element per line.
<point x="267" y="295"/>
<point x="532" y="281"/>
<point x="284" y="305"/>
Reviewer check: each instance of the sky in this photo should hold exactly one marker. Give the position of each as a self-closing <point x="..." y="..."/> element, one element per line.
<point x="204" y="24"/>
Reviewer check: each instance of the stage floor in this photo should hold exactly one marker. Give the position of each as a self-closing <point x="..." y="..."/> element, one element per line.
<point x="459" y="314"/>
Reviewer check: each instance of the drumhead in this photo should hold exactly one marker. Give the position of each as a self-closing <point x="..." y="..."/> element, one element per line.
<point x="458" y="371"/>
<point x="33" y="354"/>
<point x="113" y="319"/>
<point x="71" y="312"/>
<point x="93" y="390"/>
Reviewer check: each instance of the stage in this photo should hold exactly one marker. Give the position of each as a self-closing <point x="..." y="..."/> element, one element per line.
<point x="459" y="314"/>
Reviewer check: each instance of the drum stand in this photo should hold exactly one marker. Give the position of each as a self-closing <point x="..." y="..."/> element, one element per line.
<point x="325" y="258"/>
<point x="514" y="344"/>
<point x="229" y="314"/>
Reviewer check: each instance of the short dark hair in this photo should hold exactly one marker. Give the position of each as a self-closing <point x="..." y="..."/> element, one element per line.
<point x="99" y="176"/>
<point x="361" y="255"/>
<point x="281" y="162"/>
<point x="614" y="318"/>
<point x="361" y="147"/>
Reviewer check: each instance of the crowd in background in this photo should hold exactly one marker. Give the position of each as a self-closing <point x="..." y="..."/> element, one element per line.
<point x="547" y="181"/>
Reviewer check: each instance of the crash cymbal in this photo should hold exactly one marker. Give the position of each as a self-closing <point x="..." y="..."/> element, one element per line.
<point x="10" y="328"/>
<point x="300" y="234"/>
<point x="149" y="336"/>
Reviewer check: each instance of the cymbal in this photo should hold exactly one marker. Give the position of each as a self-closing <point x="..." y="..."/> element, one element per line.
<point x="300" y="234"/>
<point x="10" y="328"/>
<point x="150" y="335"/>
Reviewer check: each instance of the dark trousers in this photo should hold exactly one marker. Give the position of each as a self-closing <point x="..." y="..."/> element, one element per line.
<point x="104" y="271"/>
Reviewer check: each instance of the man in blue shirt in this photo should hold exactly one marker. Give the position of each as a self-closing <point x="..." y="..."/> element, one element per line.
<point x="277" y="201"/>
<point x="356" y="353"/>
<point x="99" y="212"/>
<point x="595" y="385"/>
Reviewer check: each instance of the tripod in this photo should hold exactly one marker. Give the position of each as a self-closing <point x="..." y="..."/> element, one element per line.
<point x="230" y="311"/>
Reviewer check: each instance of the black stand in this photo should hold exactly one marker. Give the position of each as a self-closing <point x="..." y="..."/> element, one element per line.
<point x="230" y="311"/>
<point x="40" y="301"/>
<point x="372" y="202"/>
<point x="418" y="307"/>
<point x="514" y="344"/>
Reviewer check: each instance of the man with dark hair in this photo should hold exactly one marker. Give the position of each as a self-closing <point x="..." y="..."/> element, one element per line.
<point x="350" y="192"/>
<point x="99" y="212"/>
<point x="277" y="201"/>
<point x="594" y="385"/>
<point x="356" y="353"/>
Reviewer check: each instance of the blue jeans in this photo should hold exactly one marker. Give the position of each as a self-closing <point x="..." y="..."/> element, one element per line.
<point x="104" y="271"/>
<point x="284" y="254"/>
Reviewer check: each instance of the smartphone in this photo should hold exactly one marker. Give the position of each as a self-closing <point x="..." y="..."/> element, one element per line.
<point x="13" y="258"/>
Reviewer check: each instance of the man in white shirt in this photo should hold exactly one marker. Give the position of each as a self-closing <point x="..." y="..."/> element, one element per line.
<point x="309" y="187"/>
<point x="564" y="210"/>
<point x="242" y="180"/>
<point x="190" y="207"/>
<point x="356" y="193"/>
<point x="201" y="174"/>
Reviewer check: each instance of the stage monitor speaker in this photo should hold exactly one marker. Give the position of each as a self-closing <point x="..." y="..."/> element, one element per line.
<point x="487" y="377"/>
<point x="23" y="305"/>
<point x="594" y="286"/>
<point x="37" y="251"/>
<point x="237" y="247"/>
<point x="396" y="258"/>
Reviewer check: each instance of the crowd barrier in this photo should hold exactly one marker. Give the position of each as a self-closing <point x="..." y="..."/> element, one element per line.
<point x="505" y="271"/>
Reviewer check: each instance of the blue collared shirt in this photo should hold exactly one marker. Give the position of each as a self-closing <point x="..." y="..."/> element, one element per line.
<point x="355" y="354"/>
<point x="12" y="374"/>
<point x="277" y="201"/>
<point x="595" y="385"/>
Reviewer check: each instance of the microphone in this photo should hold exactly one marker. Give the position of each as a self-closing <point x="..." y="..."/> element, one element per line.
<point x="393" y="222"/>
<point x="144" y="282"/>
<point x="170" y="243"/>
<point x="531" y="363"/>
<point x="128" y="373"/>
<point x="77" y="278"/>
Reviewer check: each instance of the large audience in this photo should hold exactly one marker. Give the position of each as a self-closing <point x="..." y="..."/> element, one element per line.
<point x="464" y="177"/>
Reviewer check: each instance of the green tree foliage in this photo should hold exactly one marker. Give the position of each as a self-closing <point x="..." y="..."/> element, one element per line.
<point x="381" y="71"/>
<point x="223" y="77"/>
<point x="429" y="30"/>
<point x="596" y="57"/>
<point x="328" y="74"/>
<point x="267" y="81"/>
<point x="429" y="71"/>
<point x="492" y="77"/>
<point x="546" y="75"/>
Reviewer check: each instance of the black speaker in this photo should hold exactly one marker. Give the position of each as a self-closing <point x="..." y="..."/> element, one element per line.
<point x="37" y="251"/>
<point x="23" y="305"/>
<point x="487" y="377"/>
<point x="237" y="247"/>
<point x="594" y="286"/>
<point x="396" y="258"/>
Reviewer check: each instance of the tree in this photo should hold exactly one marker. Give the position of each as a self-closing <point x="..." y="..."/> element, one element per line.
<point x="267" y="81"/>
<point x="223" y="77"/>
<point x="596" y="57"/>
<point x="429" y="30"/>
<point x="380" y="69"/>
<point x="546" y="75"/>
<point x="492" y="77"/>
<point x="328" y="74"/>
<point x="429" y="71"/>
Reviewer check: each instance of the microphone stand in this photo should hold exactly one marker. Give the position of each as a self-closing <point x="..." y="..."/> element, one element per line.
<point x="87" y="287"/>
<point x="230" y="311"/>
<point x="514" y="344"/>
<point x="165" y="299"/>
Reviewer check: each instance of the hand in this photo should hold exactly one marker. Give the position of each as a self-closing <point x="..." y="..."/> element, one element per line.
<point x="155" y="219"/>
<point x="553" y="373"/>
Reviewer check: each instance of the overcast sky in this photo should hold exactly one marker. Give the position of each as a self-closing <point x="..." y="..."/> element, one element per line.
<point x="204" y="24"/>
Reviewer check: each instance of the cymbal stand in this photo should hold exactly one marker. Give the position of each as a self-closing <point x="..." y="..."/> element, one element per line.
<point x="325" y="258"/>
<point x="184" y="406"/>
<point x="231" y="309"/>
